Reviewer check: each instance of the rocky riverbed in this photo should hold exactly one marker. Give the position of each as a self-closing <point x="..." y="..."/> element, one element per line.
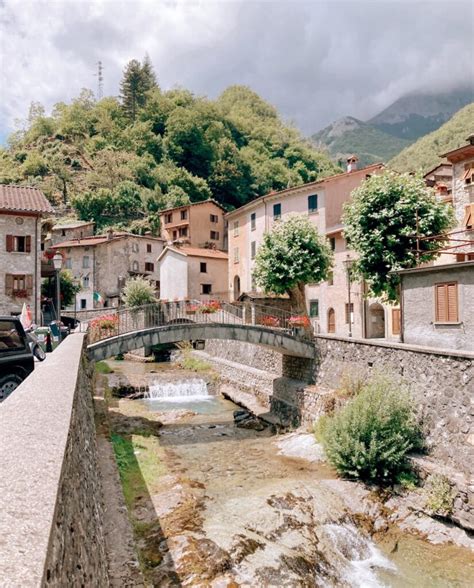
<point x="215" y="504"/>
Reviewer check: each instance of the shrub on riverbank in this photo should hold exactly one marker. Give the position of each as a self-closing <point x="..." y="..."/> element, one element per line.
<point x="369" y="438"/>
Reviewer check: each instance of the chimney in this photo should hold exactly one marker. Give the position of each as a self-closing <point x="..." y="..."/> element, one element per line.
<point x="470" y="139"/>
<point x="110" y="234"/>
<point x="352" y="163"/>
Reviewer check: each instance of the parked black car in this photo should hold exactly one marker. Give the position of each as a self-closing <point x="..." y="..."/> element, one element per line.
<point x="16" y="359"/>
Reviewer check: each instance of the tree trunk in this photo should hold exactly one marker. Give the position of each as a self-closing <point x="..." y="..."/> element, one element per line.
<point x="298" y="299"/>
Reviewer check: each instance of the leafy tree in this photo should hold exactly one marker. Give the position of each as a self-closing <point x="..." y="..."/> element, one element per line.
<point x="68" y="287"/>
<point x="382" y="221"/>
<point x="292" y="255"/>
<point x="137" y="292"/>
<point x="34" y="165"/>
<point x="97" y="206"/>
<point x="370" y="437"/>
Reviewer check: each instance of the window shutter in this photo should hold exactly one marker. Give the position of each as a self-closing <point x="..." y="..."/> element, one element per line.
<point x="441" y="303"/>
<point x="395" y="321"/>
<point x="9" y="242"/>
<point x="28" y="243"/>
<point x="452" y="296"/>
<point x="29" y="284"/>
<point x="9" y="284"/>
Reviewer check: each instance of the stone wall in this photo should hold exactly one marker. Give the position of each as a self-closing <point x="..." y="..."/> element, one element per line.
<point x="51" y="516"/>
<point x="247" y="354"/>
<point x="441" y="383"/>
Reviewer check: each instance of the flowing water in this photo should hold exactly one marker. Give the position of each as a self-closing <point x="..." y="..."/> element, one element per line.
<point x="271" y="518"/>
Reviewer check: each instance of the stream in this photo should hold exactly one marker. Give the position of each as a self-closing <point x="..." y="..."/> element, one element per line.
<point x="241" y="507"/>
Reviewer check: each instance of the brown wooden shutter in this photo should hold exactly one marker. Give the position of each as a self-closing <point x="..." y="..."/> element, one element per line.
<point x="28" y="243"/>
<point x="452" y="297"/>
<point x="9" y="284"/>
<point x="29" y="284"/>
<point x="441" y="315"/>
<point x="9" y="242"/>
<point x="395" y="321"/>
<point x="331" y="321"/>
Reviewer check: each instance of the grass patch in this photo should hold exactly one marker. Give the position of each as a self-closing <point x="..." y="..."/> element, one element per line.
<point x="439" y="495"/>
<point x="101" y="367"/>
<point x="138" y="464"/>
<point x="193" y="364"/>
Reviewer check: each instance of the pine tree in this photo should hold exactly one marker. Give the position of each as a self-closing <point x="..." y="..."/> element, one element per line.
<point x="149" y="77"/>
<point x="137" y="80"/>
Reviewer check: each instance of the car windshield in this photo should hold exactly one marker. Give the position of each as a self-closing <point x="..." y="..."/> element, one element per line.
<point x="10" y="339"/>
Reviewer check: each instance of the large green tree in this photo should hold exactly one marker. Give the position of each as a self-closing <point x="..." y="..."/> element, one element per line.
<point x="137" y="80"/>
<point x="292" y="255"/>
<point x="383" y="219"/>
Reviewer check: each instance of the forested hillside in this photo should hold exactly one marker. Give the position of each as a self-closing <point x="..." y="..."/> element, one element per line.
<point x="119" y="161"/>
<point x="424" y="154"/>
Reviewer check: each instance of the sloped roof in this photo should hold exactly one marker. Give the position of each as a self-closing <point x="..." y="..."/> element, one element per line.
<point x="196" y="252"/>
<point x="208" y="201"/>
<point x="99" y="239"/>
<point x="73" y="224"/>
<point x="23" y="199"/>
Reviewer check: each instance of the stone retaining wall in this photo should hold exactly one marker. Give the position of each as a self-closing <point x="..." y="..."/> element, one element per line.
<point x="51" y="516"/>
<point x="250" y="355"/>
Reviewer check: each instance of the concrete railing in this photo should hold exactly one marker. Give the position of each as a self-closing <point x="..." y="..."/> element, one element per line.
<point x="51" y="514"/>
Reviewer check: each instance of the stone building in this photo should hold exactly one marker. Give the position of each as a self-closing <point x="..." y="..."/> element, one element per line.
<point x="328" y="302"/>
<point x="438" y="306"/>
<point x="200" y="224"/>
<point x="193" y="273"/>
<point x="102" y="263"/>
<point x="21" y="209"/>
<point x="67" y="230"/>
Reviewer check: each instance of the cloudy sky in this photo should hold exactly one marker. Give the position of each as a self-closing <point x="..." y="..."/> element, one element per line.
<point x="315" y="60"/>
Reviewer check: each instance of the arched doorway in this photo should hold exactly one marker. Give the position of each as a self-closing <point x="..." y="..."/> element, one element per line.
<point x="376" y="321"/>
<point x="236" y="287"/>
<point x="331" y="321"/>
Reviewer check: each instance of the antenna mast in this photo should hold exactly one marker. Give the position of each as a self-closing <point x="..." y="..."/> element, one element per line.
<point x="100" y="79"/>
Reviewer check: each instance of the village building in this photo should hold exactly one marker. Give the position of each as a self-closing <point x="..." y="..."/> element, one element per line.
<point x="328" y="303"/>
<point x="21" y="210"/>
<point x="438" y="306"/>
<point x="193" y="273"/>
<point x="73" y="229"/>
<point x="200" y="224"/>
<point x="102" y="263"/>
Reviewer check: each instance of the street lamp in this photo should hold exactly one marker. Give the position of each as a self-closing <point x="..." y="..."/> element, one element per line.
<point x="58" y="263"/>
<point x="348" y="264"/>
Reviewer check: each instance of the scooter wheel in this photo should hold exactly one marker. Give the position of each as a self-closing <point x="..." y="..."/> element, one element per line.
<point x="39" y="353"/>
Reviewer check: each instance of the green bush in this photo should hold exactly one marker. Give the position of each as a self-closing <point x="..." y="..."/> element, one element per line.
<point x="370" y="437"/>
<point x="439" y="495"/>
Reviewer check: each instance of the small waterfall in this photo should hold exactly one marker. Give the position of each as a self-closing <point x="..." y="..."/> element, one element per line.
<point x="356" y="557"/>
<point x="194" y="390"/>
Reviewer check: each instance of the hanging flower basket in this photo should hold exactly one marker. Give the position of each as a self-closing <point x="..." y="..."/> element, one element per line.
<point x="299" y="321"/>
<point x="192" y="309"/>
<point x="211" y="307"/>
<point x="270" y="321"/>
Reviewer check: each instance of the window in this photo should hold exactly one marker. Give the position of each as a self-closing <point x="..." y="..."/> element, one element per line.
<point x="331" y="321"/>
<point x="83" y="303"/>
<point x="276" y="211"/>
<point x="468" y="176"/>
<point x="215" y="235"/>
<point x="184" y="214"/>
<point x="253" y="249"/>
<point x="85" y="261"/>
<point x="183" y="232"/>
<point x="68" y="263"/>
<point x="253" y="283"/>
<point x="135" y="266"/>
<point x="168" y="218"/>
<point x="85" y="282"/>
<point x="313" y="203"/>
<point x="460" y="257"/>
<point x="149" y="267"/>
<point x="206" y="288"/>
<point x="175" y="235"/>
<point x="9" y="337"/>
<point x="330" y="278"/>
<point x="148" y="247"/>
<point x="349" y="313"/>
<point x="135" y="248"/>
<point x="203" y="267"/>
<point x="19" y="244"/>
<point x="446" y="302"/>
<point x="236" y="228"/>
<point x="214" y="218"/>
<point x="314" y="308"/>
<point x="236" y="255"/>
<point x="63" y="233"/>
<point x="468" y="220"/>
<point x="253" y="221"/>
<point x="332" y="243"/>
<point x="19" y="285"/>
<point x="470" y="256"/>
<point x="396" y="322"/>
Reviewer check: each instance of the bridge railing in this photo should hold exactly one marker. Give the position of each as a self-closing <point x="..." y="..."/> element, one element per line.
<point x="126" y="319"/>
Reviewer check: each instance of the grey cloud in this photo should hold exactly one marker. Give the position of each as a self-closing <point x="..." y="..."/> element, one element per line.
<point x="315" y="61"/>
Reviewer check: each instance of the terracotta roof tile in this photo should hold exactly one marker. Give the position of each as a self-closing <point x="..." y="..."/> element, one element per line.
<point x="198" y="252"/>
<point x="23" y="199"/>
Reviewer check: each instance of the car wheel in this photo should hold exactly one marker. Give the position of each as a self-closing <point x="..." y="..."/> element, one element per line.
<point x="8" y="384"/>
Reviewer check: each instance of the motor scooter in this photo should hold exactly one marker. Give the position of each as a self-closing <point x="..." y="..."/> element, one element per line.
<point x="34" y="344"/>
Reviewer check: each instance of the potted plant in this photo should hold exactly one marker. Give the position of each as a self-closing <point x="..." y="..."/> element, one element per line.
<point x="192" y="308"/>
<point x="270" y="321"/>
<point x="211" y="307"/>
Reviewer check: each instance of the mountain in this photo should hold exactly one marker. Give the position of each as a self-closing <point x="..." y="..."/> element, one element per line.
<point x="414" y="115"/>
<point x="351" y="135"/>
<point x="425" y="153"/>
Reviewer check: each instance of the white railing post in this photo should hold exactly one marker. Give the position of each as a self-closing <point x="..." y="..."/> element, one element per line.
<point x="252" y="314"/>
